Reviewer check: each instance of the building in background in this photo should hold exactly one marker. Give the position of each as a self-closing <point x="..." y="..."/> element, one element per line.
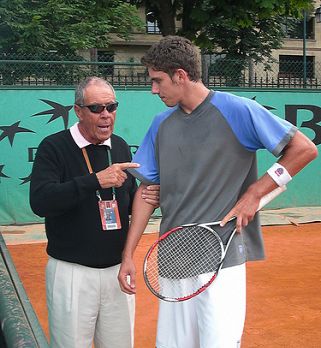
<point x="297" y="63"/>
<point x="302" y="47"/>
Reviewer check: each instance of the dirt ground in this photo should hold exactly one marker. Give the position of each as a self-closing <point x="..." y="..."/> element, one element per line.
<point x="283" y="303"/>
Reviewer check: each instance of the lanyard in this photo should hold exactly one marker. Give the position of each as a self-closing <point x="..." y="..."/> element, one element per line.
<point x="90" y="169"/>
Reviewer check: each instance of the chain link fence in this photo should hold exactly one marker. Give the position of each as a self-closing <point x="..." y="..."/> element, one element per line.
<point x="217" y="72"/>
<point x="288" y="72"/>
<point x="69" y="73"/>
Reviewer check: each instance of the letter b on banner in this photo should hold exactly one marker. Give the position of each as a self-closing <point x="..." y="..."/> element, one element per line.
<point x="291" y="115"/>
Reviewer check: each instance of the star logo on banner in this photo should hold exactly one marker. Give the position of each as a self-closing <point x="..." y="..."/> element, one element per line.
<point x="57" y="111"/>
<point x="2" y="175"/>
<point x="11" y="131"/>
<point x="25" y="180"/>
<point x="266" y="106"/>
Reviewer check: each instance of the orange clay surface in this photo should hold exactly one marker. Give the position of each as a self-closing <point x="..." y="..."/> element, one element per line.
<point x="283" y="292"/>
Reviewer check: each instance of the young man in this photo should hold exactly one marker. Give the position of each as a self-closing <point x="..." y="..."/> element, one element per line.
<point x="80" y="186"/>
<point x="202" y="152"/>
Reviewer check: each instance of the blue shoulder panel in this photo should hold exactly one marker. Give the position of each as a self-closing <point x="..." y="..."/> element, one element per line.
<point x="253" y="125"/>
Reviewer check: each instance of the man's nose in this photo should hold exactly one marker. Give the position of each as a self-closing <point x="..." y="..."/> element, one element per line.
<point x="155" y="89"/>
<point x="106" y="114"/>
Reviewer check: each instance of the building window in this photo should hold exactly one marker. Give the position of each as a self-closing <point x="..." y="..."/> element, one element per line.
<point x="292" y="66"/>
<point x="151" y="24"/>
<point x="294" y="28"/>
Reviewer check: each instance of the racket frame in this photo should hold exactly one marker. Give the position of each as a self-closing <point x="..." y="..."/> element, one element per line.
<point x="265" y="200"/>
<point x="204" y="286"/>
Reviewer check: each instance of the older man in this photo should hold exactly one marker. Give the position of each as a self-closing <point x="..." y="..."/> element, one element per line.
<point x="79" y="184"/>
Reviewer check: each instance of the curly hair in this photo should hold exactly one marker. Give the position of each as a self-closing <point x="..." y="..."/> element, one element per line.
<point x="172" y="53"/>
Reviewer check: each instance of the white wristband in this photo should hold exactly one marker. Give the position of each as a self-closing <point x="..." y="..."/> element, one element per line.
<point x="279" y="174"/>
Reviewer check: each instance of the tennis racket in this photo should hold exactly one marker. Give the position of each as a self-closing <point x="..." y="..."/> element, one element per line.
<point x="185" y="261"/>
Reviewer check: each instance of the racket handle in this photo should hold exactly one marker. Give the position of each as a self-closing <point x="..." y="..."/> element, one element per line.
<point x="270" y="196"/>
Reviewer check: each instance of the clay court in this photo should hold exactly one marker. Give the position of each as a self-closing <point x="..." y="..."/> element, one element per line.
<point x="284" y="302"/>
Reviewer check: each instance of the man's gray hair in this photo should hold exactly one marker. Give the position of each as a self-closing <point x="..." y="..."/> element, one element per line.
<point x="79" y="92"/>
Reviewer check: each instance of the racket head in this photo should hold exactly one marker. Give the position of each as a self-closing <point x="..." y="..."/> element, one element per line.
<point x="183" y="262"/>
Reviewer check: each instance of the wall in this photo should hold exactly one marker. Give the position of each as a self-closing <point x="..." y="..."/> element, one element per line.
<point x="28" y="115"/>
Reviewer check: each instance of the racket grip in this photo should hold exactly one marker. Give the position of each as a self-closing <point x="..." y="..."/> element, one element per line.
<point x="270" y="196"/>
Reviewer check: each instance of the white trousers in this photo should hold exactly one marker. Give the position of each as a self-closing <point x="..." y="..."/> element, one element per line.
<point x="213" y="319"/>
<point x="85" y="305"/>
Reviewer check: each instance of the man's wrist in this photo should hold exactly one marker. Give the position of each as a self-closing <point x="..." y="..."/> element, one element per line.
<point x="279" y="174"/>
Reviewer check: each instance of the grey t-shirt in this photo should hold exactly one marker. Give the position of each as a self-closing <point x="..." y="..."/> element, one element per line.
<point x="205" y="160"/>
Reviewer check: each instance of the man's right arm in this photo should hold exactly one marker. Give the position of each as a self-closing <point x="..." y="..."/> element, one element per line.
<point x="52" y="193"/>
<point x="52" y="196"/>
<point x="140" y="215"/>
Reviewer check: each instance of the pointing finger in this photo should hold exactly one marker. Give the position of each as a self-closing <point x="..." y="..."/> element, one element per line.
<point x="127" y="165"/>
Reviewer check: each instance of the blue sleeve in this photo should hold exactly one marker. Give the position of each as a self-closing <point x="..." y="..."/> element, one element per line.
<point x="148" y="172"/>
<point x="254" y="126"/>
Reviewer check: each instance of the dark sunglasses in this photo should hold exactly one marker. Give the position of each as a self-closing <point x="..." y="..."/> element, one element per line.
<point x="99" y="108"/>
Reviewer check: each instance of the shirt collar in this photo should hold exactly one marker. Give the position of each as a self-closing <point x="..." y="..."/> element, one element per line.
<point x="80" y="140"/>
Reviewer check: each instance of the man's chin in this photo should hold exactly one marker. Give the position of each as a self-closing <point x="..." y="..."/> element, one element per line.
<point x="104" y="138"/>
<point x="105" y="134"/>
<point x="168" y="103"/>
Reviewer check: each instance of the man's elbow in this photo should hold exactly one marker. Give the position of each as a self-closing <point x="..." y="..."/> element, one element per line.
<point x="305" y="148"/>
<point x="37" y="210"/>
<point x="37" y="207"/>
<point x="311" y="152"/>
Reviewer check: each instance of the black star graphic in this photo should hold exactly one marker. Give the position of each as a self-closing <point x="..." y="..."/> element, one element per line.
<point x="57" y="111"/>
<point x="266" y="106"/>
<point x="2" y="175"/>
<point x="25" y="180"/>
<point x="11" y="131"/>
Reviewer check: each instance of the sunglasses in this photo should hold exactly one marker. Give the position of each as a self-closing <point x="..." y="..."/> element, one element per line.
<point x="99" y="108"/>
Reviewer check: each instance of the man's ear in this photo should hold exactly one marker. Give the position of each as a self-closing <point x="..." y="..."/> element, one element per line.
<point x="182" y="74"/>
<point x="77" y="110"/>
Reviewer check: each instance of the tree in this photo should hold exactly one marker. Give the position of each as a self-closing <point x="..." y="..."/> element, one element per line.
<point x="233" y="28"/>
<point x="239" y="32"/>
<point x="54" y="30"/>
<point x="38" y="27"/>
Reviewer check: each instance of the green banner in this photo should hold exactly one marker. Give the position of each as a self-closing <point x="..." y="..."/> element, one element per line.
<point x="28" y="115"/>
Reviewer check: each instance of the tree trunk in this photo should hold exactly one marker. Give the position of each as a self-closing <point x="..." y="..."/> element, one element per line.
<point x="167" y="18"/>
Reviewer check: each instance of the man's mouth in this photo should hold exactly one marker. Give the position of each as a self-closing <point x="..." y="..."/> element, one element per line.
<point x="105" y="127"/>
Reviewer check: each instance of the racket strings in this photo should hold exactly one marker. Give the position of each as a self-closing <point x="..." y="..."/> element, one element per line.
<point x="183" y="262"/>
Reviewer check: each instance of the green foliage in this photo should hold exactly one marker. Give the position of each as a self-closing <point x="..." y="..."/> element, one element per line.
<point x="55" y="30"/>
<point x="233" y="28"/>
<point x="39" y="26"/>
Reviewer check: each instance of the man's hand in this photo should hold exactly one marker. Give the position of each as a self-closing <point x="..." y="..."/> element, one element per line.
<point x="243" y="214"/>
<point x="244" y="210"/>
<point x="127" y="276"/>
<point x="151" y="195"/>
<point x="114" y="175"/>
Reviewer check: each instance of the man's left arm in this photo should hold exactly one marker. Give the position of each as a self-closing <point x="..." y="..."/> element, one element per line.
<point x="296" y="155"/>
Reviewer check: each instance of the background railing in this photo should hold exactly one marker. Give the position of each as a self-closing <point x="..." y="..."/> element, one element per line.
<point x="19" y="325"/>
<point x="286" y="73"/>
<point x="217" y="72"/>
